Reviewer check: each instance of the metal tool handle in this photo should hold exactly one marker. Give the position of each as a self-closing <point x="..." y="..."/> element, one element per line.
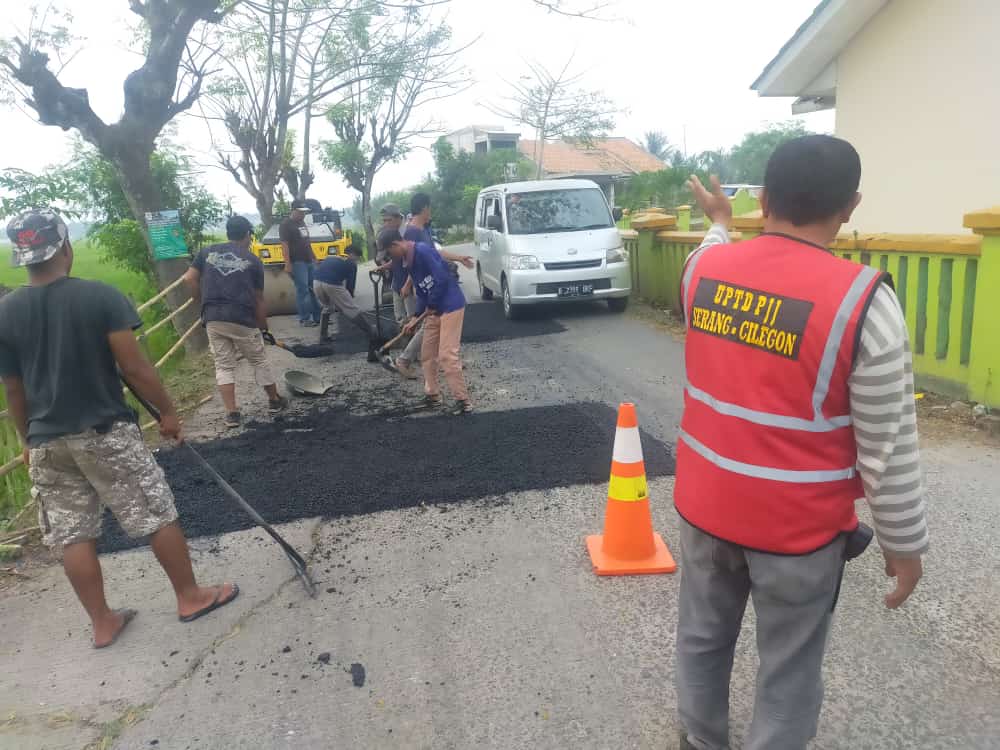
<point x="297" y="561"/>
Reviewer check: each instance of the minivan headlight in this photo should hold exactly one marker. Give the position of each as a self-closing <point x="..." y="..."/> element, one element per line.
<point x="523" y="263"/>
<point x="616" y="255"/>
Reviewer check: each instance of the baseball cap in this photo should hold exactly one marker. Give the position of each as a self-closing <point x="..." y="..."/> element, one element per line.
<point x="391" y="209"/>
<point x="301" y="205"/>
<point x="37" y="235"/>
<point x="238" y="227"/>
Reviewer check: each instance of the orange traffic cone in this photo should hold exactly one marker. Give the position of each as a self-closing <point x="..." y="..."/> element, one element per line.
<point x="629" y="546"/>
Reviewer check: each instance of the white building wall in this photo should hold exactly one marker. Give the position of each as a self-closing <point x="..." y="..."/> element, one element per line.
<point x="918" y="96"/>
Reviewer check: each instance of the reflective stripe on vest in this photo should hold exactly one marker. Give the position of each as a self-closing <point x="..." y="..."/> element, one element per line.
<point x="828" y="363"/>
<point x="766" y="472"/>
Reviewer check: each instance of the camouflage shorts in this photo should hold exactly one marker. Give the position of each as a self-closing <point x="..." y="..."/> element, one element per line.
<point x="77" y="475"/>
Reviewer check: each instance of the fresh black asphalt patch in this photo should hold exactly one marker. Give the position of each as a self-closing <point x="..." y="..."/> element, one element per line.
<point x="334" y="463"/>
<point x="484" y="322"/>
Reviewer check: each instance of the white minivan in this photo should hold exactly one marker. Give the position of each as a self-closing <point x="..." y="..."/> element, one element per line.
<point x="549" y="241"/>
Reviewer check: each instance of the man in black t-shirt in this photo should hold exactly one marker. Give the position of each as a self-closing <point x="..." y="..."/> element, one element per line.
<point x="228" y="281"/>
<point x="63" y="342"/>
<point x="300" y="262"/>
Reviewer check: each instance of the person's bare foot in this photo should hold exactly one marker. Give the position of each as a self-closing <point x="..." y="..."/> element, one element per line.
<point x="207" y="599"/>
<point x="107" y="630"/>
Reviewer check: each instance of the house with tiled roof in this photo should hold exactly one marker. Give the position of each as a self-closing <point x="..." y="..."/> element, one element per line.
<point x="914" y="87"/>
<point x="609" y="162"/>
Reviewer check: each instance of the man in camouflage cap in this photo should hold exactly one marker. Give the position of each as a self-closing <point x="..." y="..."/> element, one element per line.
<point x="62" y="344"/>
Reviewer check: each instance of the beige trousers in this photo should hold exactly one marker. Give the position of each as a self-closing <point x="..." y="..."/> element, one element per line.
<point x="228" y="341"/>
<point x="442" y="342"/>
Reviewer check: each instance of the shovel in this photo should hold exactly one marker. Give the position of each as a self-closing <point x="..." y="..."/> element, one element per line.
<point x="303" y="351"/>
<point x="303" y="384"/>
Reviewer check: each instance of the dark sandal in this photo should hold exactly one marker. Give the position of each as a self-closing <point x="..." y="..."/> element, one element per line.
<point x="213" y="606"/>
<point x="127" y="616"/>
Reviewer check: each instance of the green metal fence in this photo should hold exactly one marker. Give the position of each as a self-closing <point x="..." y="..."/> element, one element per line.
<point x="947" y="286"/>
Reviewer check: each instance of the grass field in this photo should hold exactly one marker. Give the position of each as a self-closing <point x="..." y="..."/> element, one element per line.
<point x="88" y="264"/>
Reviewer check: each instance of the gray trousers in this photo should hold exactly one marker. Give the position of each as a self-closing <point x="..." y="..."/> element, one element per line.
<point x="793" y="597"/>
<point x="337" y="297"/>
<point x="406" y="307"/>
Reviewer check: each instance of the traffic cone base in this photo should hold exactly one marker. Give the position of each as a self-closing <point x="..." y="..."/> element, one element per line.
<point x="661" y="561"/>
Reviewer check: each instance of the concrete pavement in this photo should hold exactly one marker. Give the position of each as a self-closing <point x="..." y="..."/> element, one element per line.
<point x="479" y="623"/>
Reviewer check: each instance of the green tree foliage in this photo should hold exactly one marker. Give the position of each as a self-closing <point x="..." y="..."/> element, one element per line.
<point x="88" y="186"/>
<point x="373" y="123"/>
<point x="457" y="179"/>
<point x="656" y="143"/>
<point x="666" y="188"/>
<point x="748" y="160"/>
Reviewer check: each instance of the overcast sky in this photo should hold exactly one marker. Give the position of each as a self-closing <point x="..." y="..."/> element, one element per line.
<point x="681" y="67"/>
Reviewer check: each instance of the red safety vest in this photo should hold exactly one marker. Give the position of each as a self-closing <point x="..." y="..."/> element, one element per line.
<point x="766" y="456"/>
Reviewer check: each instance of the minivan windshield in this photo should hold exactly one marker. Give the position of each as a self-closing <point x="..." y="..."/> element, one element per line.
<point x="544" y="211"/>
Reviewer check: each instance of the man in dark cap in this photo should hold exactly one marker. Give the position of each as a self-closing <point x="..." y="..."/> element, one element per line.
<point x="63" y="343"/>
<point x="227" y="280"/>
<point x="300" y="262"/>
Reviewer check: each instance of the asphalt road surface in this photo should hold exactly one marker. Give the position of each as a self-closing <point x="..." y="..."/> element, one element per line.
<point x="457" y="607"/>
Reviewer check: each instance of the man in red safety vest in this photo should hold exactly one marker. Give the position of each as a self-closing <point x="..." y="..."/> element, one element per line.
<point x="799" y="401"/>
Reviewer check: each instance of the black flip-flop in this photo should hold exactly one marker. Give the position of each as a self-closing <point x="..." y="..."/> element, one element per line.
<point x="127" y="616"/>
<point x="213" y="606"/>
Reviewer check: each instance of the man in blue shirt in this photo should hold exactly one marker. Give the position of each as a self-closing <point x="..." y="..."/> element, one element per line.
<point x="334" y="285"/>
<point x="440" y="300"/>
<point x="418" y="230"/>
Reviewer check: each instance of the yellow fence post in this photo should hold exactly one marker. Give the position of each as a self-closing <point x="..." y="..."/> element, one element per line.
<point x="748" y="225"/>
<point x="984" y="354"/>
<point x="649" y="269"/>
<point x="684" y="218"/>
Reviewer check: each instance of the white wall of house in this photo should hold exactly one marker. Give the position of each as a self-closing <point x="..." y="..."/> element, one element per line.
<point x="918" y="96"/>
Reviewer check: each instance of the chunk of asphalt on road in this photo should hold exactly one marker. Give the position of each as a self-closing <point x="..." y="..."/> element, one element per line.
<point x="460" y="461"/>
<point x="357" y="672"/>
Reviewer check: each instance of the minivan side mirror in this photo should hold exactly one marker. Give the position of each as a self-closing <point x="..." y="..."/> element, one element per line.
<point x="495" y="223"/>
<point x="616" y="213"/>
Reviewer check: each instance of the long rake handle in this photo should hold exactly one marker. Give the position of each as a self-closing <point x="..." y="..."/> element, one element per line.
<point x="298" y="563"/>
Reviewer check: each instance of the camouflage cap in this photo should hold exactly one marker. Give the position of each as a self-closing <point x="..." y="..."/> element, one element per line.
<point x="37" y="236"/>
<point x="391" y="209"/>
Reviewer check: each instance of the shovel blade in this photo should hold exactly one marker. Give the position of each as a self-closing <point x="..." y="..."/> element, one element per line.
<point x="302" y="382"/>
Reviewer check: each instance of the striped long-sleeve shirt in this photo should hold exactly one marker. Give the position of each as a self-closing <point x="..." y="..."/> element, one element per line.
<point x="884" y="417"/>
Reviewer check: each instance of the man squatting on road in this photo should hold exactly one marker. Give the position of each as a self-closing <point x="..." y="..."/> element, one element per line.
<point x="404" y="301"/>
<point x="227" y="280"/>
<point x="63" y="342"/>
<point x="334" y="286"/>
<point x="770" y="462"/>
<point x="440" y="297"/>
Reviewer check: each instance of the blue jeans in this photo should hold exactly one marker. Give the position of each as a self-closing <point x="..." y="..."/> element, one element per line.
<point x="305" y="300"/>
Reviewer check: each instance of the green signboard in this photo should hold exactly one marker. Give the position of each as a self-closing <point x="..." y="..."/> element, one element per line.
<point x="166" y="234"/>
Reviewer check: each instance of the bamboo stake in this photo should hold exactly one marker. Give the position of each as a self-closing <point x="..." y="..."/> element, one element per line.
<point x="166" y="320"/>
<point x="150" y="302"/>
<point x="8" y="467"/>
<point x="179" y="344"/>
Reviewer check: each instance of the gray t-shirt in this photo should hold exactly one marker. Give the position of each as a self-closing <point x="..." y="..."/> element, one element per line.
<point x="55" y="338"/>
<point x="231" y="276"/>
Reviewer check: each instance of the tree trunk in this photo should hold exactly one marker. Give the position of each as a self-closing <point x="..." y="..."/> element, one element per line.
<point x="306" y="176"/>
<point x="265" y="207"/>
<point x="142" y="193"/>
<point x="366" y="219"/>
